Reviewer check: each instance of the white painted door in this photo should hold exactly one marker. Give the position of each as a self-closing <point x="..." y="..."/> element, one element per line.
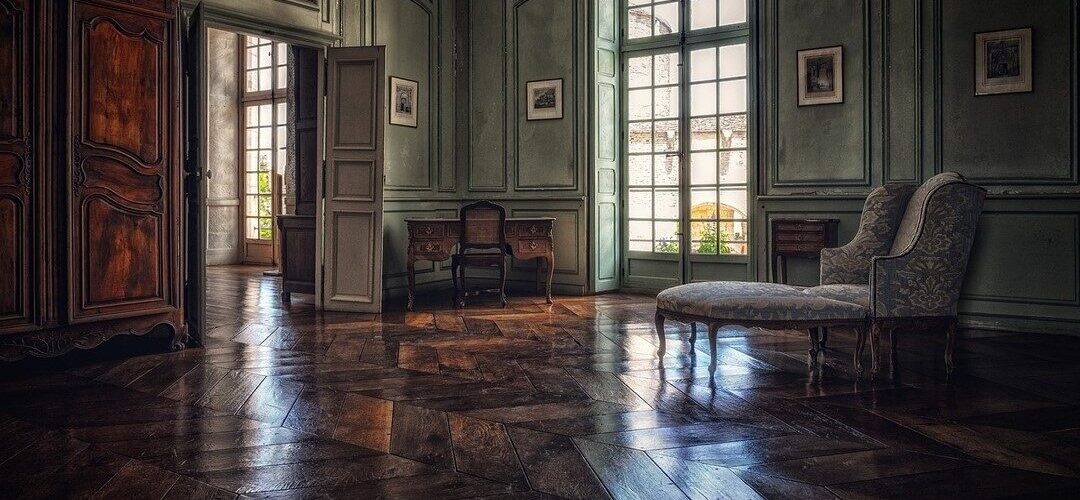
<point x="352" y="182"/>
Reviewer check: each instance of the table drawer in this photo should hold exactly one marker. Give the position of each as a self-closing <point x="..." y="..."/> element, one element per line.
<point x="782" y="237"/>
<point x="799" y="227"/>
<point x="428" y="230"/>
<point x="532" y="247"/>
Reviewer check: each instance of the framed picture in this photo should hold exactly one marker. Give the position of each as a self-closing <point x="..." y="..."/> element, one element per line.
<point x="404" y="101"/>
<point x="1003" y="62"/>
<point x="821" y="76"/>
<point x="544" y="99"/>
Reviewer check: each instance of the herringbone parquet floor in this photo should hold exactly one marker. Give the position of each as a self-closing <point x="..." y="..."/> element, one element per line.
<point x="532" y="401"/>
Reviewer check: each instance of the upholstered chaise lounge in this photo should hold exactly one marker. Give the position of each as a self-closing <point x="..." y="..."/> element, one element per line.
<point x="903" y="269"/>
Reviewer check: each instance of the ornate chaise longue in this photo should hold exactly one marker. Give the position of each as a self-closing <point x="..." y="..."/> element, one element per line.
<point x="903" y="269"/>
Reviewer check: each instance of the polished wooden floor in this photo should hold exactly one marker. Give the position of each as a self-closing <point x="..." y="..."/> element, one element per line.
<point x="532" y="401"/>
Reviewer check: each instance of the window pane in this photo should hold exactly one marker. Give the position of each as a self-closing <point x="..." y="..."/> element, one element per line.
<point x="264" y="182"/>
<point x="703" y="133"/>
<point x="640" y="71"/>
<point x="281" y="53"/>
<point x="251" y="205"/>
<point x="703" y="237"/>
<point x="703" y="204"/>
<point x="732" y="203"/>
<point x="703" y="64"/>
<point x="640" y="230"/>
<point x="251" y="184"/>
<point x="732" y="96"/>
<point x="282" y="77"/>
<point x="702" y="14"/>
<point x="264" y="56"/>
<point x="252" y="232"/>
<point x="264" y="79"/>
<point x="640" y="204"/>
<point x="639" y="22"/>
<point x="639" y="136"/>
<point x="666" y="204"/>
<point x="252" y="138"/>
<point x="266" y="116"/>
<point x="667" y="69"/>
<point x="703" y="168"/>
<point x="265" y="209"/>
<point x="666" y="102"/>
<point x="733" y="131"/>
<point x="639" y="104"/>
<point x="265" y="139"/>
<point x="282" y="113"/>
<point x="732" y="11"/>
<point x="251" y="81"/>
<point x="640" y="167"/>
<point x="667" y="18"/>
<point x="664" y="238"/>
<point x="732" y="167"/>
<point x="666" y="136"/>
<point x="733" y="60"/>
<point x="666" y="170"/>
<point x="703" y="99"/>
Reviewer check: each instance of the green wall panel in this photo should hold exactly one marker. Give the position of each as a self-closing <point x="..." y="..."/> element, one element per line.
<point x="405" y="27"/>
<point x="981" y="135"/>
<point x="822" y="145"/>
<point x="545" y="41"/>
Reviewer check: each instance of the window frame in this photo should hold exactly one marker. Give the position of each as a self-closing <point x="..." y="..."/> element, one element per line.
<point x="274" y="96"/>
<point x="684" y="42"/>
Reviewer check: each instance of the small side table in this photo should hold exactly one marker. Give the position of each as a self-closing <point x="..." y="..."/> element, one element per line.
<point x="799" y="238"/>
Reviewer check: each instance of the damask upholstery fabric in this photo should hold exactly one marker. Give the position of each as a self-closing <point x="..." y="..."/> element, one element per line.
<point x="881" y="216"/>
<point x="925" y="277"/>
<point x="751" y="301"/>
<point x="913" y="214"/>
<point x="853" y="293"/>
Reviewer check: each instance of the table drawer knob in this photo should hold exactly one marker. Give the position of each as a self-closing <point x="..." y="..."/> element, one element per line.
<point x="430" y="247"/>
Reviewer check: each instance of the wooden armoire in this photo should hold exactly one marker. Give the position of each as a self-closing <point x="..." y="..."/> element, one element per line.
<point x="91" y="219"/>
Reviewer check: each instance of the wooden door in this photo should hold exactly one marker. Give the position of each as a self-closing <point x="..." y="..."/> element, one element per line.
<point x="195" y="164"/>
<point x="351" y="219"/>
<point x="124" y="248"/>
<point x="18" y="192"/>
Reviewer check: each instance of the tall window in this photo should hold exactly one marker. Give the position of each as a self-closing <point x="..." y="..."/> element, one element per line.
<point x="686" y="161"/>
<point x="265" y="69"/>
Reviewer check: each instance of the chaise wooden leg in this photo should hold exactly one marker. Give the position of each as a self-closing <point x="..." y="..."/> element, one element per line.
<point x="875" y="349"/>
<point x="661" y="342"/>
<point x="893" y="358"/>
<point x="714" y="327"/>
<point x="813" y="334"/>
<point x="693" y="333"/>
<point x="824" y="337"/>
<point x="950" y="346"/>
<point x="860" y="347"/>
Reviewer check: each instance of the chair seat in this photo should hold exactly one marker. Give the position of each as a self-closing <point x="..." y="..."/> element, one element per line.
<point x="856" y="294"/>
<point x="757" y="302"/>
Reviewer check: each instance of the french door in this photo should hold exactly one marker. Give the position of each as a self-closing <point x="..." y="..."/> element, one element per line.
<point x="686" y="88"/>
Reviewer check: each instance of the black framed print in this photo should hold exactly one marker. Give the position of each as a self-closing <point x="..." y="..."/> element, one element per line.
<point x="821" y="76"/>
<point x="1003" y="61"/>
<point x="544" y="99"/>
<point x="404" y="101"/>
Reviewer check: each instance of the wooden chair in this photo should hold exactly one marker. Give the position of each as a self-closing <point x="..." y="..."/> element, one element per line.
<point x="483" y="244"/>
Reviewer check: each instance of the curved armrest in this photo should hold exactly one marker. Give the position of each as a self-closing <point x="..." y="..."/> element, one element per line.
<point x="850" y="264"/>
<point x="924" y="279"/>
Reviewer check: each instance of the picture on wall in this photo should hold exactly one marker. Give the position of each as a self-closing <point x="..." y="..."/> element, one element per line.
<point x="404" y="96"/>
<point x="1003" y="62"/>
<point x="821" y="76"/>
<point x="544" y="99"/>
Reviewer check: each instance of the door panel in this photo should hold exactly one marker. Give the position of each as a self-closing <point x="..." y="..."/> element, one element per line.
<point x="352" y="212"/>
<point x="124" y="219"/>
<point x="16" y="165"/>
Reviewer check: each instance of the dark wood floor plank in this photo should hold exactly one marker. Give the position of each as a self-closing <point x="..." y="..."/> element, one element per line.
<point x="421" y="434"/>
<point x="628" y="473"/>
<point x="705" y="481"/>
<point x="483" y="449"/>
<point x="554" y="465"/>
<point x="312" y="474"/>
<point x="856" y="466"/>
<point x="987" y="481"/>
<point x="137" y="479"/>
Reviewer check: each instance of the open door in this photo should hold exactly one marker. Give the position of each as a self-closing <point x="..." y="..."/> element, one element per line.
<point x="352" y="181"/>
<point x="194" y="176"/>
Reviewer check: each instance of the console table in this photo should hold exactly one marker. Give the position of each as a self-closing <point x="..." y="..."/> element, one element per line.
<point x="799" y="238"/>
<point x="528" y="238"/>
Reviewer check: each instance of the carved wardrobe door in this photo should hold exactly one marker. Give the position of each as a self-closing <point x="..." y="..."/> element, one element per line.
<point x="124" y="248"/>
<point x="18" y="187"/>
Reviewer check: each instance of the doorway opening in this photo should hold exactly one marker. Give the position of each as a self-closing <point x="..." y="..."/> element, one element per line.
<point x="260" y="106"/>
